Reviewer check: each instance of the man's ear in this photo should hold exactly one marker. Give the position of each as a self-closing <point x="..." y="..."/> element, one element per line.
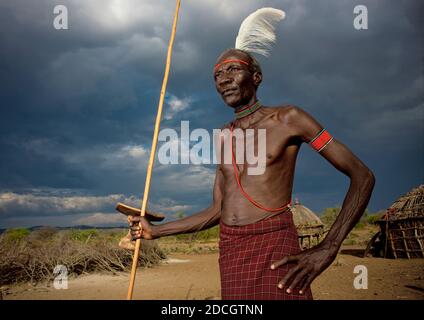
<point x="257" y="78"/>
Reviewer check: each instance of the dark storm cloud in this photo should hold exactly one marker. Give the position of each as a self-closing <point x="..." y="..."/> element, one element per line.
<point x="78" y="106"/>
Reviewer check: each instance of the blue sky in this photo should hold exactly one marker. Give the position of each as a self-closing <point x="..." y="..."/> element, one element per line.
<point x="78" y="105"/>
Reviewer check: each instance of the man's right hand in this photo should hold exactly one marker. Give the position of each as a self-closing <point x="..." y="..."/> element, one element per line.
<point x="141" y="228"/>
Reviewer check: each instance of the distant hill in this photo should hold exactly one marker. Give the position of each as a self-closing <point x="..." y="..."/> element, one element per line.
<point x="79" y="227"/>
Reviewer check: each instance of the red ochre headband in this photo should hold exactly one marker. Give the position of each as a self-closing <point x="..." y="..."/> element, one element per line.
<point x="321" y="140"/>
<point x="231" y="60"/>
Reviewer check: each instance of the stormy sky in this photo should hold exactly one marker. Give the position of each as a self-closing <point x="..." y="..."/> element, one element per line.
<point x="78" y="105"/>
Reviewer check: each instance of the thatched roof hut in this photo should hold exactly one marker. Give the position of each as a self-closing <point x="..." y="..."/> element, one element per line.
<point x="305" y="220"/>
<point x="409" y="206"/>
<point x="401" y="228"/>
<point x="307" y="223"/>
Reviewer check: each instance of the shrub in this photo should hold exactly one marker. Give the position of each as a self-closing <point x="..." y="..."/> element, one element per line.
<point x="43" y="234"/>
<point x="83" y="235"/>
<point x="373" y="218"/>
<point x="81" y="251"/>
<point x="360" y="225"/>
<point x="208" y="234"/>
<point x="204" y="235"/>
<point x="14" y="235"/>
<point x="329" y="215"/>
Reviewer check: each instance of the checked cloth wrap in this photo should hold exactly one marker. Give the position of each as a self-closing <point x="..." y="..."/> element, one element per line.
<point x="246" y="254"/>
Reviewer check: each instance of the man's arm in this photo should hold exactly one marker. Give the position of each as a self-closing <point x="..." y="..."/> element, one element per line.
<point x="200" y="221"/>
<point x="312" y="262"/>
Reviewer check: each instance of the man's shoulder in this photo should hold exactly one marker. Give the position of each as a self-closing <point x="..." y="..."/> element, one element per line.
<point x="287" y="112"/>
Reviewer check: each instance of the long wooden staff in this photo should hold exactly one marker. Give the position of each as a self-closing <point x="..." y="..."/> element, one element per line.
<point x="153" y="151"/>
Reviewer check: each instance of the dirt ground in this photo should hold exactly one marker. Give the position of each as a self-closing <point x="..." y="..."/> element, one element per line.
<point x="196" y="276"/>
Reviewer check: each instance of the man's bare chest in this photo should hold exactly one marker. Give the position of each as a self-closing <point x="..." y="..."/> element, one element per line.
<point x="254" y="149"/>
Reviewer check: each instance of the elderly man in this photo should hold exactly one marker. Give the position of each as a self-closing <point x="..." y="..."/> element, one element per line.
<point x="259" y="254"/>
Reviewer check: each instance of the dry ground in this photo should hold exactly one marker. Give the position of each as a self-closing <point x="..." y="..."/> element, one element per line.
<point x="196" y="276"/>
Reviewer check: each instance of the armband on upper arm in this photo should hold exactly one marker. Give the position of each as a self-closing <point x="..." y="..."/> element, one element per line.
<point x="321" y="140"/>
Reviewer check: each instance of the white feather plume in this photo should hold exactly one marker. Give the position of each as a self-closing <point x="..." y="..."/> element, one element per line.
<point x="257" y="31"/>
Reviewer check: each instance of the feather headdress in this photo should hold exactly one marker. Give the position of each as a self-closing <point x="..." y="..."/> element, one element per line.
<point x="257" y="31"/>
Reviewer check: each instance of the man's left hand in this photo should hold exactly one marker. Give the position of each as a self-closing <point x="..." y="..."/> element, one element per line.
<point x="308" y="265"/>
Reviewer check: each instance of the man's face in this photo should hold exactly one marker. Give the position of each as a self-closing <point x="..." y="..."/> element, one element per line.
<point x="234" y="81"/>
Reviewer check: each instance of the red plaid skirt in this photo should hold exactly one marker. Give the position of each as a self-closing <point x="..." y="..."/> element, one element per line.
<point x="246" y="254"/>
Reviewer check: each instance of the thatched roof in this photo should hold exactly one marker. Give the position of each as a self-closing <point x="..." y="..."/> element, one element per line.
<point x="305" y="220"/>
<point x="408" y="206"/>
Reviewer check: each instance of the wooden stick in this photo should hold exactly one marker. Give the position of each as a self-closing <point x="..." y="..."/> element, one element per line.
<point x="405" y="244"/>
<point x="153" y="151"/>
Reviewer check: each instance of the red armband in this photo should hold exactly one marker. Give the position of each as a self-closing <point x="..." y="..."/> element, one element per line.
<point x="321" y="140"/>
